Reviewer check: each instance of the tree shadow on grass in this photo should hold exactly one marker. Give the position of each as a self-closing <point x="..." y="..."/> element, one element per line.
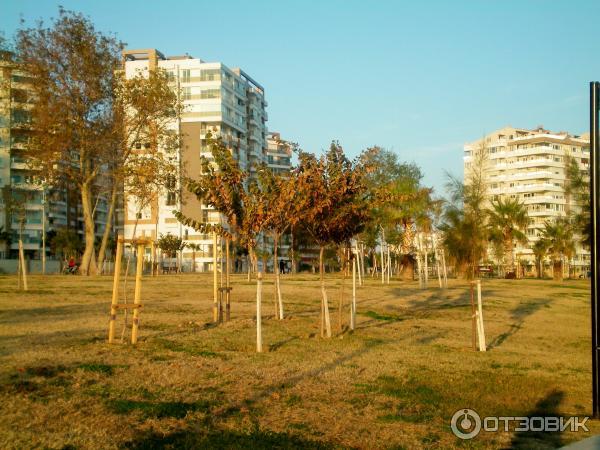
<point x="546" y="407"/>
<point x="223" y="439"/>
<point x="519" y="313"/>
<point x="290" y="382"/>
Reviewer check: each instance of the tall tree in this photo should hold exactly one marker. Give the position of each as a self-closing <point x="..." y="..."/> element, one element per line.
<point x="506" y="220"/>
<point x="73" y="69"/>
<point x="540" y="249"/>
<point x="561" y="245"/>
<point x="144" y="109"/>
<point x="336" y="210"/>
<point x="577" y="192"/>
<point x="87" y="117"/>
<point x="397" y="203"/>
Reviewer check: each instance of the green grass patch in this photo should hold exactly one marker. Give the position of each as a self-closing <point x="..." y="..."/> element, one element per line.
<point x="417" y="403"/>
<point x="104" y="369"/>
<point x="158" y="410"/>
<point x="384" y="317"/>
<point x="186" y="348"/>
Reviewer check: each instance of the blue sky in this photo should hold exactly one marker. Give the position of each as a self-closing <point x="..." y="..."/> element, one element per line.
<point x="420" y="77"/>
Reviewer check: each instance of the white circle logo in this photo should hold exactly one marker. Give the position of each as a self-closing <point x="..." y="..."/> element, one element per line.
<point x="465" y="424"/>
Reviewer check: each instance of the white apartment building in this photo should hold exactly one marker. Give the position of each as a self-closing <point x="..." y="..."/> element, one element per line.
<point x="529" y="165"/>
<point x="228" y="103"/>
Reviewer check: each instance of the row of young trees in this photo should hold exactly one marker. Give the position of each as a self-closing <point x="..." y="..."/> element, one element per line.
<point x="97" y="130"/>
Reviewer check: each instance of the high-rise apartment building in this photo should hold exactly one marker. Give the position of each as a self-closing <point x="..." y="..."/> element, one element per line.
<point x="529" y="165"/>
<point x="228" y="103"/>
<point x="29" y="209"/>
<point x="279" y="154"/>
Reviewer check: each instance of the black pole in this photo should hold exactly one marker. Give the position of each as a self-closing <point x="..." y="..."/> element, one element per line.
<point x="595" y="244"/>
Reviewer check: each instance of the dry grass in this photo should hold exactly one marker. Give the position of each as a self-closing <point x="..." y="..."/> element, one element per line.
<point x="393" y="383"/>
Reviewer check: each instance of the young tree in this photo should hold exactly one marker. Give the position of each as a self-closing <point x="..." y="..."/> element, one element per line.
<point x="284" y="207"/>
<point x="170" y="245"/>
<point x="506" y="220"/>
<point x="65" y="243"/>
<point x="336" y="209"/>
<point x="559" y="238"/>
<point x="224" y="186"/>
<point x="464" y="224"/>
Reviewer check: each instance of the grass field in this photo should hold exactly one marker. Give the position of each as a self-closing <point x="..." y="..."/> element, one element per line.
<point x="394" y="382"/>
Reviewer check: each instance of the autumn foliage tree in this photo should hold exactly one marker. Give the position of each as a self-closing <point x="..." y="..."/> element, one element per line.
<point x="86" y="117"/>
<point x="224" y="186"/>
<point x="284" y="206"/>
<point x="335" y="189"/>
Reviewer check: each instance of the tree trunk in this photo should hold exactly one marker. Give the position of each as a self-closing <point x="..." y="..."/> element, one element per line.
<point x="293" y="252"/>
<point x="259" y="342"/>
<point x="341" y="305"/>
<point x="325" y="323"/>
<point x="108" y="228"/>
<point x="408" y="267"/>
<point x="88" y="264"/>
<point x="279" y="304"/>
<point x="557" y="270"/>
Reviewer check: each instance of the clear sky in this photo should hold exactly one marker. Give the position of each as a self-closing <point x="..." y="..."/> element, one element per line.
<point x="418" y="77"/>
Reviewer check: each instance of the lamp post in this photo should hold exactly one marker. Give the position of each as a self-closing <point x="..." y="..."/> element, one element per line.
<point x="595" y="244"/>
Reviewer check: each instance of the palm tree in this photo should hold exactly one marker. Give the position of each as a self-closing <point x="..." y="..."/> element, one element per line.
<point x="194" y="248"/>
<point x="540" y="248"/>
<point x="559" y="236"/>
<point x="506" y="219"/>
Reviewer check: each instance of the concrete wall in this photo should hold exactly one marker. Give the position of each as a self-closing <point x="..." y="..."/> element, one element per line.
<point x="33" y="266"/>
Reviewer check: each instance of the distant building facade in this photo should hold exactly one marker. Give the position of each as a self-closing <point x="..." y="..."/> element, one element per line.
<point x="529" y="165"/>
<point x="225" y="102"/>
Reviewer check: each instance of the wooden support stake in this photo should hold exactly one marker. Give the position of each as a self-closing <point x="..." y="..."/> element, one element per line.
<point x="23" y="265"/>
<point x="215" y="286"/>
<point x="482" y="347"/>
<point x="353" y="307"/>
<point x="259" y="347"/>
<point x="228" y="271"/>
<point x="137" y="293"/>
<point x="115" y="293"/>
<point x="473" y="319"/>
<point x="154" y="262"/>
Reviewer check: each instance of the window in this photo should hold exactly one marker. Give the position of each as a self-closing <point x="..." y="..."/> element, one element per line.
<point x="210" y="93"/>
<point x="185" y="75"/>
<point x="171" y="194"/>
<point x="186" y="93"/>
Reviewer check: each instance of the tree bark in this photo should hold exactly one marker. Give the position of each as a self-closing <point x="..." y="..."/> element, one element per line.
<point x="88" y="264"/>
<point x="108" y="227"/>
<point x="279" y="305"/>
<point x="557" y="270"/>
